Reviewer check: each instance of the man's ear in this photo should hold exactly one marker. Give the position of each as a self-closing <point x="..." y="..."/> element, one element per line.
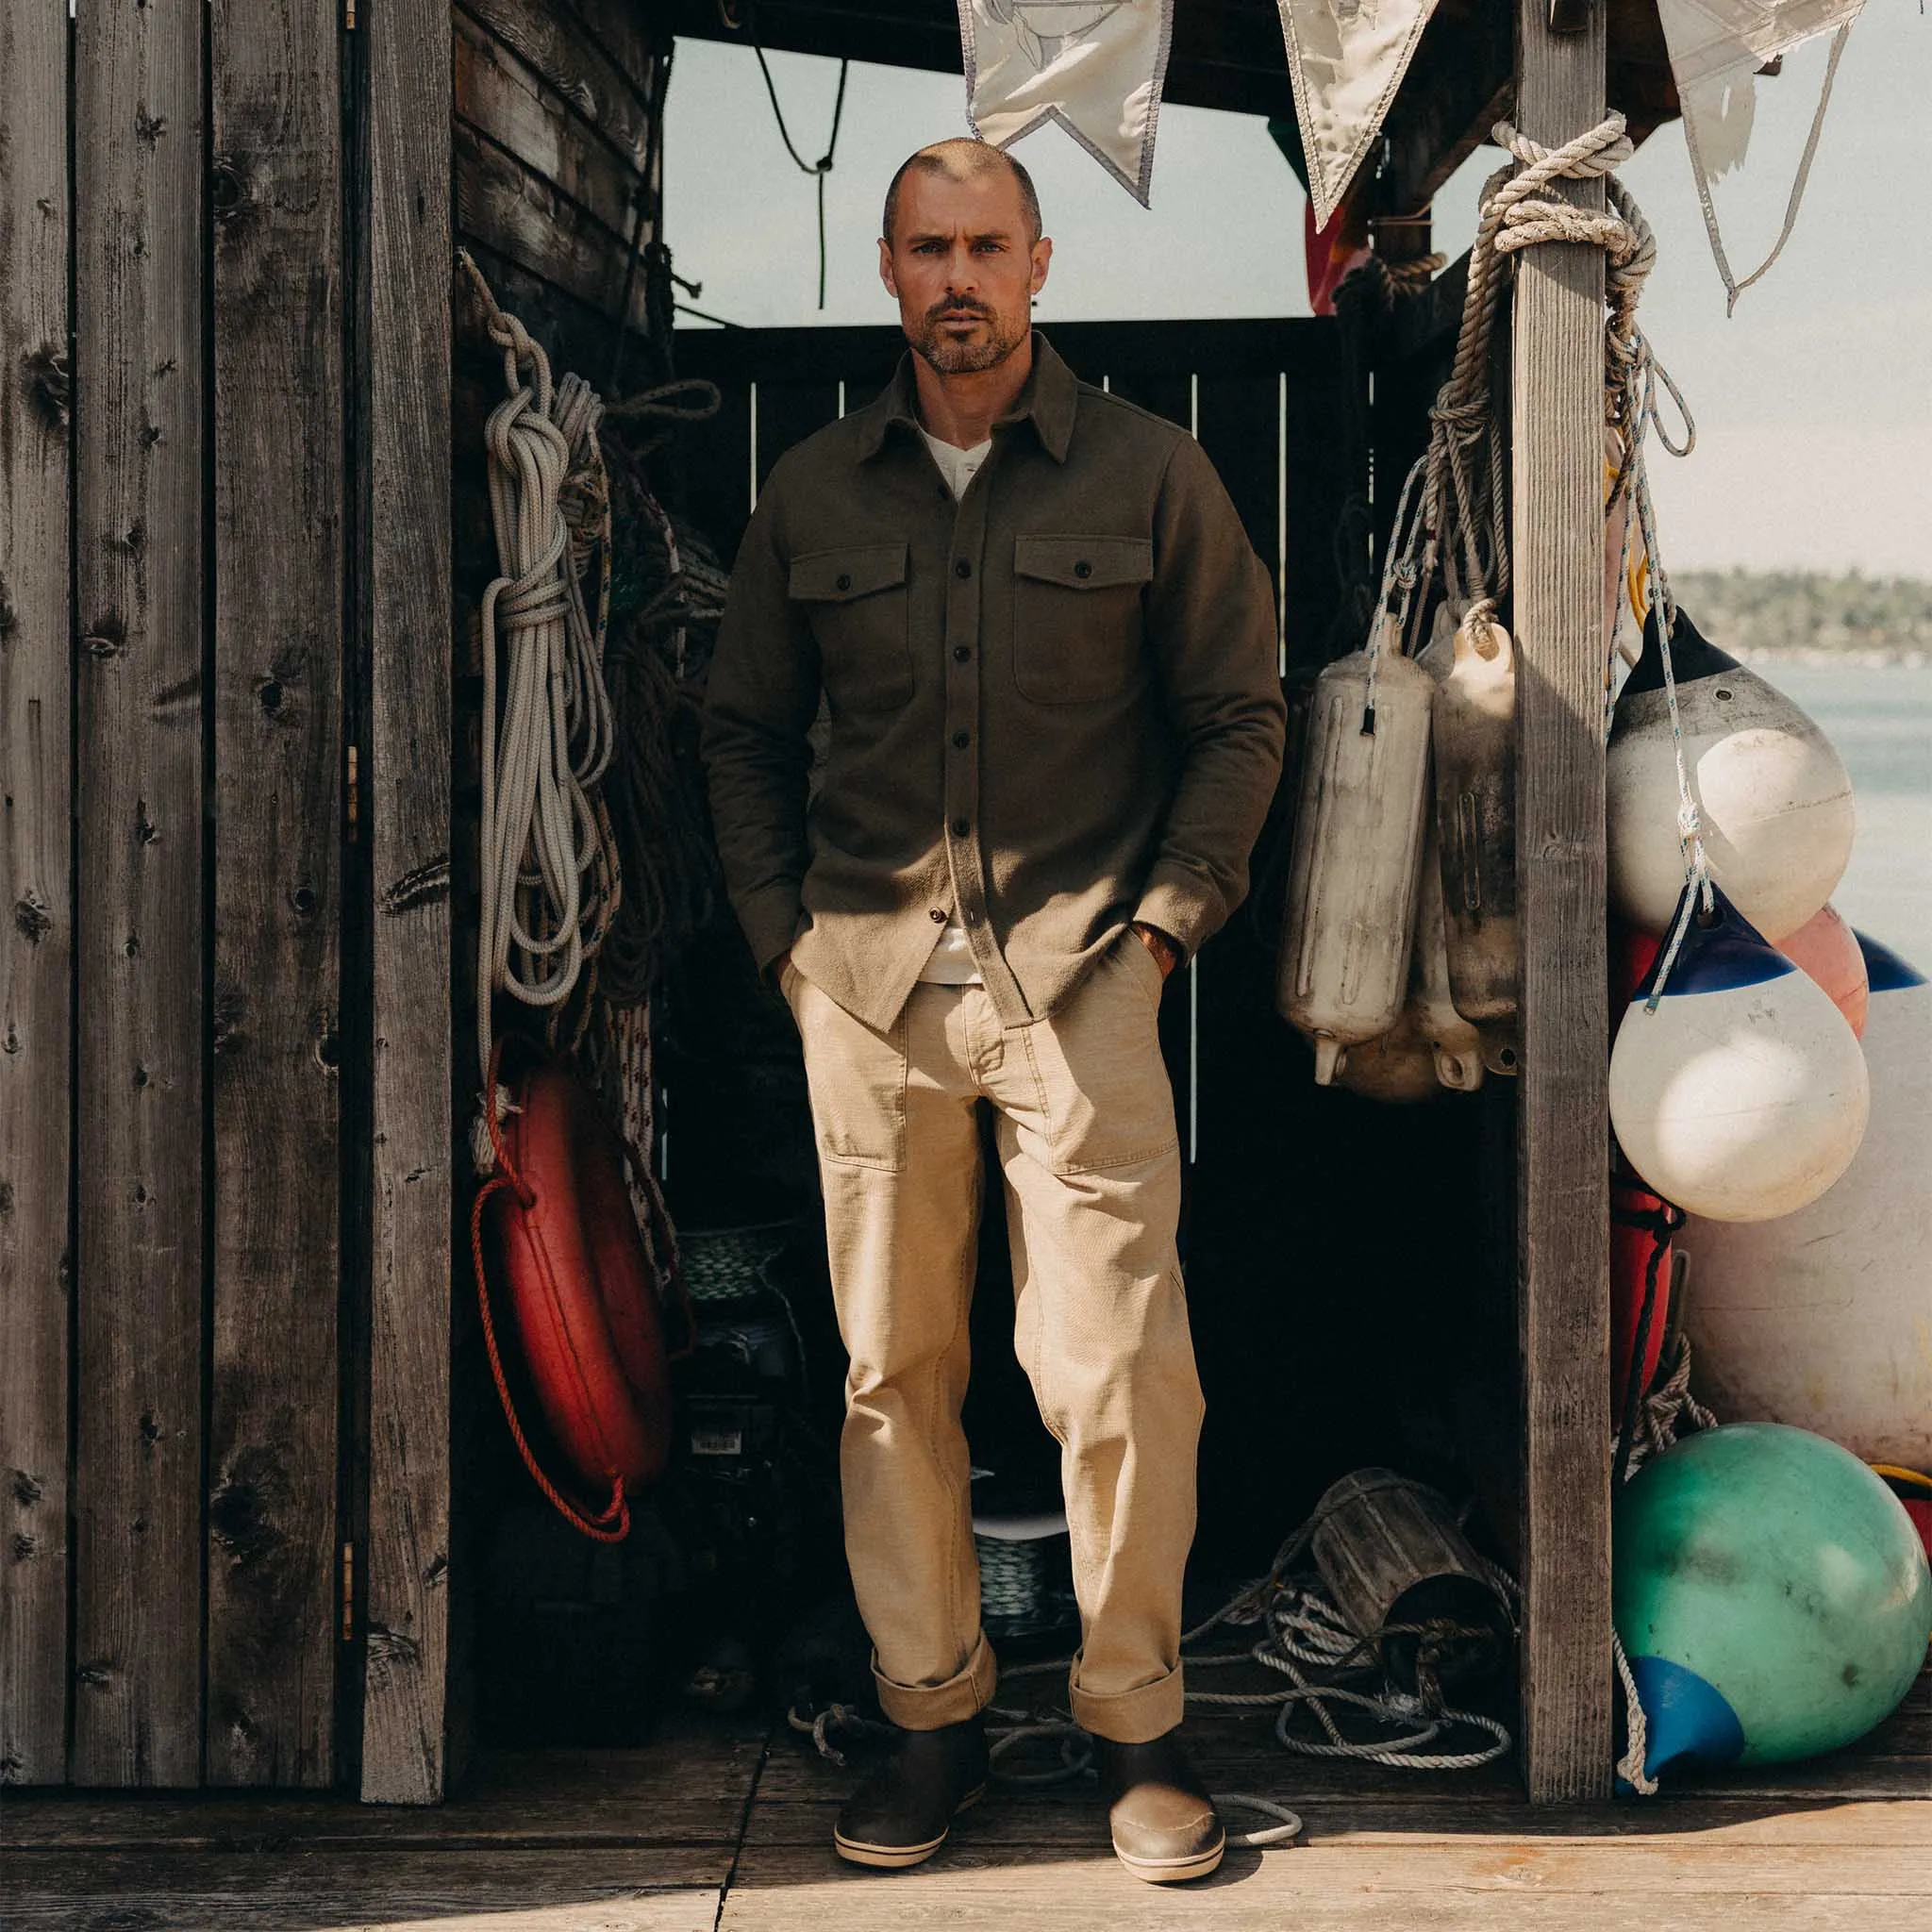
<point x="1042" y="261"/>
<point x="886" y="268"/>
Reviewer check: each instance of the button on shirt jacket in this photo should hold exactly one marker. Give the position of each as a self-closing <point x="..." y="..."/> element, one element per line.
<point x="1054" y="702"/>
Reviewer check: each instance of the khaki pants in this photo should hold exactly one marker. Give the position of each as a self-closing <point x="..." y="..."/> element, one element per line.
<point x="1087" y="1143"/>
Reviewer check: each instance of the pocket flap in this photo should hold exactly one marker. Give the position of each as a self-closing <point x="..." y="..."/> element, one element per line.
<point x="832" y="577"/>
<point x="1085" y="563"/>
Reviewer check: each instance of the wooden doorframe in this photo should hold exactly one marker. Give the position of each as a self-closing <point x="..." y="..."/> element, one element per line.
<point x="400" y="405"/>
<point x="1563" y="1223"/>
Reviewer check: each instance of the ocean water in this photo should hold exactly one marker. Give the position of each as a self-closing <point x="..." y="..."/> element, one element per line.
<point x="1880" y="719"/>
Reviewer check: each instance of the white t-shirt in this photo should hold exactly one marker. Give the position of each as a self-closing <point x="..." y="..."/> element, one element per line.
<point x="950" y="962"/>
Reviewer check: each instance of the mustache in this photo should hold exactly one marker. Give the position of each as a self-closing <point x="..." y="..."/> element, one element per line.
<point x="958" y="302"/>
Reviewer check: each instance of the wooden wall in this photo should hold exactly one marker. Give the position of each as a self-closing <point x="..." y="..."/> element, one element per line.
<point x="171" y="586"/>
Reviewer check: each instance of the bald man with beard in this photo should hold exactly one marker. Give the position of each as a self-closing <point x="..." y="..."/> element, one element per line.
<point x="1048" y="652"/>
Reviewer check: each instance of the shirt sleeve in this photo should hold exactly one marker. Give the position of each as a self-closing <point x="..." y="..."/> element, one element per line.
<point x="1211" y="626"/>
<point x="762" y="697"/>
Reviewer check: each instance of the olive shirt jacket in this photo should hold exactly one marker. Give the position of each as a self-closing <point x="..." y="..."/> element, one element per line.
<point x="1053" y="704"/>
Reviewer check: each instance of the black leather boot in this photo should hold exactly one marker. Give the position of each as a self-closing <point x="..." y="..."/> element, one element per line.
<point x="905" y="1804"/>
<point x="1163" y="1822"/>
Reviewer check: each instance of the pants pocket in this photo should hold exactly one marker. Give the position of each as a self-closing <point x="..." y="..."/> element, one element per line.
<point x="1102" y="1086"/>
<point x="856" y="1076"/>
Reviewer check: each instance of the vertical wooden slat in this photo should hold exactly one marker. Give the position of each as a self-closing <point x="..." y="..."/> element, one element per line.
<point x="406" y="803"/>
<point x="139" y="453"/>
<point x="277" y="710"/>
<point x="36" y="876"/>
<point x="1564" y="1239"/>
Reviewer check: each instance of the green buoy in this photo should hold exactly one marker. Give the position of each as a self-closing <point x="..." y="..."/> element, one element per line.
<point x="1770" y="1593"/>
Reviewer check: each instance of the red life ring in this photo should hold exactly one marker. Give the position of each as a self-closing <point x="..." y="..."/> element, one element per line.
<point x="582" y="1293"/>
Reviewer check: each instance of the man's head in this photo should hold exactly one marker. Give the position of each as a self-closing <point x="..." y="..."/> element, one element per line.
<point x="963" y="254"/>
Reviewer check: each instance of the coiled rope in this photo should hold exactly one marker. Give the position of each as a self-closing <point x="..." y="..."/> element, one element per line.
<point x="550" y="883"/>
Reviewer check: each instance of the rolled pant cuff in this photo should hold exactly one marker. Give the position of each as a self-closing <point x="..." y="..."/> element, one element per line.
<point x="926" y="1707"/>
<point x="1130" y="1717"/>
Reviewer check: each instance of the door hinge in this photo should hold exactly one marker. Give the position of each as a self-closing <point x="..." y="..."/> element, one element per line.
<point x="354" y="796"/>
<point x="348" y="1592"/>
<point x="348" y="16"/>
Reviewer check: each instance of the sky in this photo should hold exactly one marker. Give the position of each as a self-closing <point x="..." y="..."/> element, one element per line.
<point x="1813" y="402"/>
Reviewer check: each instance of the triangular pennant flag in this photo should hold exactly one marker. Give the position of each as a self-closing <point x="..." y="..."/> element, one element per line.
<point x="1345" y="60"/>
<point x="1716" y="48"/>
<point x="1095" y="66"/>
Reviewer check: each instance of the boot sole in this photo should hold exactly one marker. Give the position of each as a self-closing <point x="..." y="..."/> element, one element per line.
<point x="1174" y="1871"/>
<point x="897" y="1857"/>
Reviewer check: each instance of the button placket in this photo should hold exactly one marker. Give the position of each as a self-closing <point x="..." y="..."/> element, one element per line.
<point x="961" y="787"/>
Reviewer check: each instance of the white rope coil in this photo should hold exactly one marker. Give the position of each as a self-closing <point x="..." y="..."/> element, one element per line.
<point x="548" y="888"/>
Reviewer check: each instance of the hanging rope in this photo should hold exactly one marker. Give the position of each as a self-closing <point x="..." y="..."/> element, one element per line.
<point x="549" y="876"/>
<point x="823" y="166"/>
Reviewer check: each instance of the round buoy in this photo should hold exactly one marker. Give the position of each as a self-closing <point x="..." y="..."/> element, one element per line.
<point x="1742" y="1095"/>
<point x="1826" y="948"/>
<point x="1770" y="1593"/>
<point x="1772" y="794"/>
<point x="1824" y="1318"/>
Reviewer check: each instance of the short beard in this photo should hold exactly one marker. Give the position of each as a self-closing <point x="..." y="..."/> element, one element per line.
<point x="948" y="358"/>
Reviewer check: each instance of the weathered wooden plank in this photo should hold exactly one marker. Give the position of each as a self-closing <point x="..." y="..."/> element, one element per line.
<point x="519" y="213"/>
<point x="688" y="1787"/>
<point x="1609" y="1889"/>
<point x="1556" y="404"/>
<point x="35" y="888"/>
<point x="502" y="97"/>
<point x="139" y="453"/>
<point x="404" y="803"/>
<point x="1021" y="1821"/>
<point x="641" y="1890"/>
<point x="277" y="697"/>
<point x="553" y="42"/>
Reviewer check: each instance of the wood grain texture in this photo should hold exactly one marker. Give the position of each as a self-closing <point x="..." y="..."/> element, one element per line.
<point x="139" y="435"/>
<point x="555" y="42"/>
<point x="518" y="213"/>
<point x="1556" y="403"/>
<point x="689" y="1788"/>
<point x="502" y="98"/>
<point x="642" y="1889"/>
<point x="406" y="770"/>
<point x="278" y="699"/>
<point x="36" y="882"/>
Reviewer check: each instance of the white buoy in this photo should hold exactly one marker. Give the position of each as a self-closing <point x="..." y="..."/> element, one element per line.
<point x="1475" y="743"/>
<point x="1455" y="1047"/>
<point x="1824" y="1318"/>
<point x="1742" y="1097"/>
<point x="1772" y="794"/>
<point x="1350" y="915"/>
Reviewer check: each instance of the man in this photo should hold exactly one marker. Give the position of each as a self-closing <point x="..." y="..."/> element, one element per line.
<point x="1048" y="654"/>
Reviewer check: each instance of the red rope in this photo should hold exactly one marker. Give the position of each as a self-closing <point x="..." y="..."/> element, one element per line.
<point x="611" y="1523"/>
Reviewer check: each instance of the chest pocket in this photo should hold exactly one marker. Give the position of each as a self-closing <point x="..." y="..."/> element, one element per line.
<point x="1076" y="615"/>
<point x="855" y="601"/>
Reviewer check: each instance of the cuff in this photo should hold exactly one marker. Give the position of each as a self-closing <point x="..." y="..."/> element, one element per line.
<point x="1176" y="901"/>
<point x="927" y="1707"/>
<point x="1130" y="1717"/>
<point x="770" y="917"/>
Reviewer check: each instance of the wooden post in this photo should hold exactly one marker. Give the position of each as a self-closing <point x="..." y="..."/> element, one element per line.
<point x="1564" y="1224"/>
<point x="139" y="437"/>
<point x="35" y="886"/>
<point x="277" y="698"/>
<point x="405" y="813"/>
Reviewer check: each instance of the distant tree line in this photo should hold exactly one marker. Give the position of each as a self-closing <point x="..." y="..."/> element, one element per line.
<point x="1790" y="613"/>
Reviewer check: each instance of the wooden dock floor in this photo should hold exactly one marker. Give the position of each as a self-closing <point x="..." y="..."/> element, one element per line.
<point x="722" y="1828"/>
